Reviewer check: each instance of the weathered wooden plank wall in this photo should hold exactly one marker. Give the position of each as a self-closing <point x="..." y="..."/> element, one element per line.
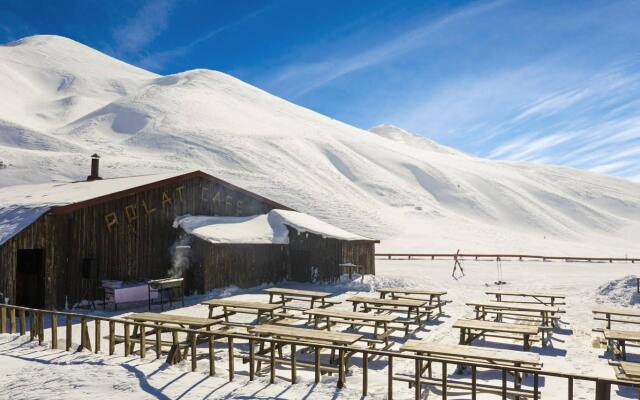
<point x="243" y="265"/>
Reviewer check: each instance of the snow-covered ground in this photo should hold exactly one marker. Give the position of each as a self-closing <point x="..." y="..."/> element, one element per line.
<point x="63" y="101"/>
<point x="83" y="375"/>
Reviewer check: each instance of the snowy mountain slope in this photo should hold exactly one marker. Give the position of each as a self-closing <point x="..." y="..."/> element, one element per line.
<point x="390" y="184"/>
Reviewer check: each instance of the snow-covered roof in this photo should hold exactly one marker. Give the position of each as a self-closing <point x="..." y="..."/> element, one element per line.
<point x="21" y="205"/>
<point x="270" y="228"/>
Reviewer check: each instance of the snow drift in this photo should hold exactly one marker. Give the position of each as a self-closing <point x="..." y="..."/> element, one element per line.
<point x="68" y="101"/>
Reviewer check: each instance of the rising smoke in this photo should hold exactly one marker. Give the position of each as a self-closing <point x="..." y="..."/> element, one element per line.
<point x="180" y="256"/>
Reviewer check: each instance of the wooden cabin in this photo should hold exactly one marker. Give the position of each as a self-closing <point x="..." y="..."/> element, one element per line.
<point x="58" y="240"/>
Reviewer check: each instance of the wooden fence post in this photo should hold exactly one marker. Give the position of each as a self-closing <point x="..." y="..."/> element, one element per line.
<point x="126" y="340"/>
<point x="31" y="325"/>
<point x="3" y="323"/>
<point x="12" y="320"/>
<point x="143" y="340"/>
<point x="293" y="363"/>
<point x="40" y="327"/>
<point x="69" y="332"/>
<point x="194" y="355"/>
<point x="603" y="390"/>
<point x="252" y="370"/>
<point x="231" y="372"/>
<point x="97" y="335"/>
<point x="54" y="331"/>
<point x="390" y="379"/>
<point x="212" y="356"/>
<point x="365" y="373"/>
<point x="23" y="327"/>
<point x="112" y="337"/>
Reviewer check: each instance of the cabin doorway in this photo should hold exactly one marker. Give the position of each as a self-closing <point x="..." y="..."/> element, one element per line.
<point x="30" y="278"/>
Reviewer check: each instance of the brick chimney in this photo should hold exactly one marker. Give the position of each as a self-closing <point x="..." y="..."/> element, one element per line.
<point x="95" y="168"/>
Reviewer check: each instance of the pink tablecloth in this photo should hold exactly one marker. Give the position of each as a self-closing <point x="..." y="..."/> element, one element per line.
<point x="131" y="294"/>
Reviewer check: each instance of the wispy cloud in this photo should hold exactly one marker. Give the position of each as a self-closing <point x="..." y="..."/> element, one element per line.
<point x="299" y="78"/>
<point x="159" y="60"/>
<point x="141" y="29"/>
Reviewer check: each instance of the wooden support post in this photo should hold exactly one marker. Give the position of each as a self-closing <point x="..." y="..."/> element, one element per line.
<point x="3" y="323"/>
<point x="54" y="331"/>
<point x="69" y="331"/>
<point x="317" y="363"/>
<point x="252" y="351"/>
<point x="417" y="383"/>
<point x="194" y="352"/>
<point x="12" y="320"/>
<point x="112" y="337"/>
<point x="603" y="390"/>
<point x="390" y="379"/>
<point x="341" y="367"/>
<point x="474" y="382"/>
<point x="143" y="342"/>
<point x="444" y="381"/>
<point x="570" y="388"/>
<point x="293" y="363"/>
<point x="536" y="393"/>
<point x="98" y="339"/>
<point x="231" y="372"/>
<point x="85" y="341"/>
<point x="272" y="363"/>
<point x="126" y="340"/>
<point x="504" y="384"/>
<point x="158" y="342"/>
<point x="365" y="373"/>
<point x="23" y="323"/>
<point x="212" y="356"/>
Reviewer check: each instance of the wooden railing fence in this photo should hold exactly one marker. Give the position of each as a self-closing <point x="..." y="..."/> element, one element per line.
<point x="17" y="316"/>
<point x="503" y="257"/>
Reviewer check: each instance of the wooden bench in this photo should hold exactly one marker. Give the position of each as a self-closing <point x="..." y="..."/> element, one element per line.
<point x="231" y="307"/>
<point x="629" y="371"/>
<point x="623" y="315"/>
<point x="433" y="296"/>
<point x="548" y="314"/>
<point x="471" y="329"/>
<point x="547" y="299"/>
<point x="302" y="336"/>
<point x="354" y="318"/>
<point x="459" y="354"/>
<point x="617" y="340"/>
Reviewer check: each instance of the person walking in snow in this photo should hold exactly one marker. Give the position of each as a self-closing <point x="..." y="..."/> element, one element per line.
<point x="457" y="264"/>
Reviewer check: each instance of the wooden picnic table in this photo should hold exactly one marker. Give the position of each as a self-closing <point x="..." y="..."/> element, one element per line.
<point x="378" y="321"/>
<point x="287" y="295"/>
<point x="482" y="308"/>
<point x="434" y="296"/>
<point x="629" y="371"/>
<point x="182" y="321"/>
<point x="461" y="353"/>
<point x="350" y="268"/>
<point x="548" y="299"/>
<point x="391" y="305"/>
<point x="231" y="307"/>
<point x="617" y="340"/>
<point x="610" y="314"/>
<point x="471" y="329"/>
<point x="301" y="336"/>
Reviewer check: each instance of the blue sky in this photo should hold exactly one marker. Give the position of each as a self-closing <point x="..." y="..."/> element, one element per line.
<point x="543" y="81"/>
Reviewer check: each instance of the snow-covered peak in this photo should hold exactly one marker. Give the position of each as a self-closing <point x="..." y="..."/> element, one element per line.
<point x="52" y="80"/>
<point x="400" y="135"/>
